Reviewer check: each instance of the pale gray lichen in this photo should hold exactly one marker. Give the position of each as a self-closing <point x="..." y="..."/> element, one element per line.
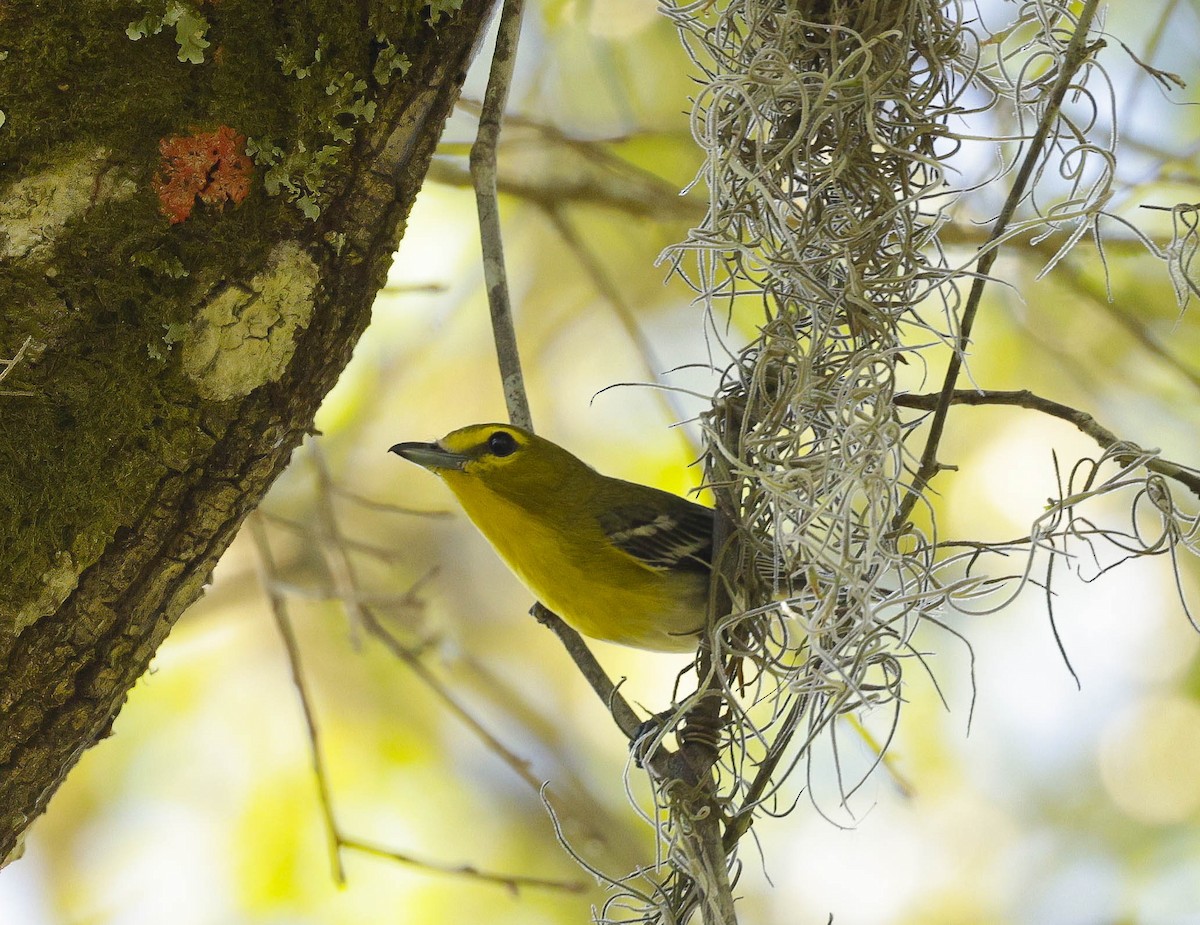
<point x="35" y="209"/>
<point x="55" y="586"/>
<point x="245" y="335"/>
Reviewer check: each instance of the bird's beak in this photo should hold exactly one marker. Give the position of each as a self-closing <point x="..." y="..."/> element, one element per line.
<point x="430" y="455"/>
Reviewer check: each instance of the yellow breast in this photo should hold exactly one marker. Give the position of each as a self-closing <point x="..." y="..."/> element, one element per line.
<point x="600" y="590"/>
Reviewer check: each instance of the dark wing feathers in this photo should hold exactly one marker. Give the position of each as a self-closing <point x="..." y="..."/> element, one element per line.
<point x="676" y="534"/>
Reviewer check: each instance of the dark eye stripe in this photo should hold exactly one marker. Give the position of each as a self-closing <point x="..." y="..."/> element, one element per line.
<point x="501" y="443"/>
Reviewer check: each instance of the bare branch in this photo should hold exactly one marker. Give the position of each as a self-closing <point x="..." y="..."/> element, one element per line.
<point x="1080" y="419"/>
<point x="483" y="171"/>
<point x="268" y="579"/>
<point x="514" y="882"/>
<point x="1077" y="54"/>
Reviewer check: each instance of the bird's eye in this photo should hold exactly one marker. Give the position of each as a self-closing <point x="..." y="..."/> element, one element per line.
<point x="501" y="443"/>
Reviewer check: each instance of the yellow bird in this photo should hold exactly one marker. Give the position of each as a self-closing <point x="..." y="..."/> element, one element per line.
<point x="618" y="561"/>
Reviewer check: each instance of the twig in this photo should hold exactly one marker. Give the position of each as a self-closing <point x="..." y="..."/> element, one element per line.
<point x="607" y="288"/>
<point x="513" y="881"/>
<point x="357" y="598"/>
<point x="963" y="235"/>
<point x="371" y="504"/>
<point x="345" y="581"/>
<point x="341" y="570"/>
<point x="413" y="288"/>
<point x="304" y="529"/>
<point x="1076" y="55"/>
<point x="268" y="576"/>
<point x="483" y="172"/>
<point x="10" y="365"/>
<point x="1135" y="326"/>
<point x="1083" y="421"/>
<point x="336" y="839"/>
<point x="603" y="180"/>
<point x="268" y="573"/>
<point x="519" y="765"/>
<point x="626" y="719"/>
<point x="689" y="788"/>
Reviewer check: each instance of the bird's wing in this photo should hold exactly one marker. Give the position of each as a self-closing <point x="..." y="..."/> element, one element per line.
<point x="677" y="535"/>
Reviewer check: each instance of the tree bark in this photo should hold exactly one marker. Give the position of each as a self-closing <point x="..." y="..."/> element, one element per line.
<point x="198" y="203"/>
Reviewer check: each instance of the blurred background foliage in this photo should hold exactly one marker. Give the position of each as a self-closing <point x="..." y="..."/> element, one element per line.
<point x="1028" y="800"/>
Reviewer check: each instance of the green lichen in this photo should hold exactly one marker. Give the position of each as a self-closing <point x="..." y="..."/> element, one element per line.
<point x="299" y="174"/>
<point x="432" y="11"/>
<point x="290" y="60"/>
<point x="390" y="61"/>
<point x="174" y="333"/>
<point x="442" y="8"/>
<point x="169" y="266"/>
<point x="190" y="29"/>
<point x="299" y="168"/>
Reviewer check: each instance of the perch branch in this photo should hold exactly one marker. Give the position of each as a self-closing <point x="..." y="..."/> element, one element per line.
<point x="483" y="171"/>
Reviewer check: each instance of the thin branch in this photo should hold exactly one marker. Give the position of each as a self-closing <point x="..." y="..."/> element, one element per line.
<point x="414" y="288"/>
<point x="595" y="149"/>
<point x="689" y="787"/>
<point x="611" y="293"/>
<point x="345" y="581"/>
<point x="276" y="592"/>
<point x="380" y="553"/>
<point x="10" y="365"/>
<point x="1083" y="421"/>
<point x="608" y="183"/>
<point x="268" y="573"/>
<point x="483" y="172"/>
<point x="961" y="234"/>
<point x="371" y="504"/>
<point x="514" y="882"/>
<point x="334" y="835"/>
<point x="1135" y="326"/>
<point x="519" y="765"/>
<point x="622" y="713"/>
<point x="1077" y="54"/>
<point x="341" y="570"/>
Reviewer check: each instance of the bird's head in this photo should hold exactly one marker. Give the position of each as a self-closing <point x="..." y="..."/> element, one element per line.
<point x="501" y="458"/>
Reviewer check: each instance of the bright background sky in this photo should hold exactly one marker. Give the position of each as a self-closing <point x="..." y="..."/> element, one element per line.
<point x="1053" y="805"/>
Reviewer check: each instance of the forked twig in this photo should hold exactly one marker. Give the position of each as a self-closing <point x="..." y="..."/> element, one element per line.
<point x="336" y="838"/>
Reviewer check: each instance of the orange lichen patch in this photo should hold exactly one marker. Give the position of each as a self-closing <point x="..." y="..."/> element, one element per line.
<point x="210" y="165"/>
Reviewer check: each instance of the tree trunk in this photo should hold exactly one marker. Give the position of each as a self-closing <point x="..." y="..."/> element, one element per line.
<point x="198" y="203"/>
